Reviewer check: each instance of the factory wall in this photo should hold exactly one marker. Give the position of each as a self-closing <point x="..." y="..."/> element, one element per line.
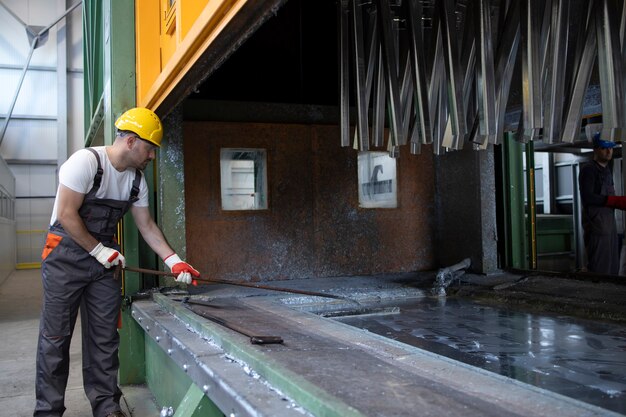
<point x="7" y="221"/>
<point x="46" y="120"/>
<point x="313" y="226"/>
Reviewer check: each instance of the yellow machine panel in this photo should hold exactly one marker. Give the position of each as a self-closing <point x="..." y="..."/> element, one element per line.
<point x="171" y="38"/>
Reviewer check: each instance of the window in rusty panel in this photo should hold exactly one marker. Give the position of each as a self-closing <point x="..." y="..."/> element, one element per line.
<point x="243" y="179"/>
<point x="377" y="180"/>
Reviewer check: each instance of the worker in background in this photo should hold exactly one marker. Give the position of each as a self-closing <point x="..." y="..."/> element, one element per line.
<point x="81" y="258"/>
<point x="598" y="197"/>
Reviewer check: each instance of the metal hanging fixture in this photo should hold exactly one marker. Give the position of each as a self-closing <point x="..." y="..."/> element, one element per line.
<point x="442" y="71"/>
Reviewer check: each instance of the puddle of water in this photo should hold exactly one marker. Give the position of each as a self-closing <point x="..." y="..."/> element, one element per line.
<point x="581" y="359"/>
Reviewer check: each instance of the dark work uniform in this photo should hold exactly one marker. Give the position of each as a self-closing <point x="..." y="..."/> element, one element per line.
<point x="72" y="278"/>
<point x="600" y="231"/>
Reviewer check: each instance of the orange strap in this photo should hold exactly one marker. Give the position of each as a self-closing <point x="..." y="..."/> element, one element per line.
<point x="52" y="241"/>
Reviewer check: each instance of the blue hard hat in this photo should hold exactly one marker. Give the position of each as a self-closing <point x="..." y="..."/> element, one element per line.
<point x="603" y="144"/>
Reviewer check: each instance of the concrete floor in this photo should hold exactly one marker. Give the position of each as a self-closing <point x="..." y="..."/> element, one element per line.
<point x="20" y="303"/>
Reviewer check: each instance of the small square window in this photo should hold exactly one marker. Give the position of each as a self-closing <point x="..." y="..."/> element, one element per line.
<point x="377" y="180"/>
<point x="243" y="179"/>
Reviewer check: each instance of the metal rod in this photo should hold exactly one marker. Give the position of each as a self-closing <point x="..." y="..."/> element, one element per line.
<point x="360" y="71"/>
<point x="391" y="69"/>
<point x="238" y="283"/>
<point x="33" y="45"/>
<point x="344" y="63"/>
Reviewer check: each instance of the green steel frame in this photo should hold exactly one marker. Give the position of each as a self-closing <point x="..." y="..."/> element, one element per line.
<point x="531" y="204"/>
<point x="513" y="204"/>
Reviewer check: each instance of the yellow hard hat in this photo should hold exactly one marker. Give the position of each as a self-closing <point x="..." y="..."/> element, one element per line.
<point x="144" y="122"/>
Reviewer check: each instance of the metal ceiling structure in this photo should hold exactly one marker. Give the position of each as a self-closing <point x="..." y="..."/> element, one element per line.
<point x="445" y="71"/>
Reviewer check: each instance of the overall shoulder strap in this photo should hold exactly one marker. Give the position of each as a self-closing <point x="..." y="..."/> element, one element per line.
<point x="97" y="179"/>
<point x="134" y="192"/>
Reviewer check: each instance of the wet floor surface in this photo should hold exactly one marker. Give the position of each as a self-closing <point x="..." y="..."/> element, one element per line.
<point x="585" y="360"/>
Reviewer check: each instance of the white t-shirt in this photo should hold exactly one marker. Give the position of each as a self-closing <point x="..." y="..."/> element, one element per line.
<point x="78" y="172"/>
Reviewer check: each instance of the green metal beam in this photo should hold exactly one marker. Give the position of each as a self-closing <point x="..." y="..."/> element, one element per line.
<point x="513" y="193"/>
<point x="531" y="216"/>
<point x="171" y="387"/>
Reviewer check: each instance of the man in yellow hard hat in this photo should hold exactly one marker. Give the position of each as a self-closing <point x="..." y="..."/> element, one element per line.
<point x="97" y="186"/>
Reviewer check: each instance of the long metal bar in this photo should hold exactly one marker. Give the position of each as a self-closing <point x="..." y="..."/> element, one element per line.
<point x="360" y="71"/>
<point x="380" y="93"/>
<point x="436" y="85"/>
<point x="610" y="68"/>
<point x="238" y="283"/>
<point x="372" y="54"/>
<point x="571" y="128"/>
<point x="531" y="69"/>
<point x="577" y="40"/>
<point x="622" y="37"/>
<point x="556" y="71"/>
<point x="422" y="104"/>
<point x="505" y="62"/>
<point x="62" y="16"/>
<point x="450" y="45"/>
<point x="468" y="59"/>
<point x="485" y="77"/>
<point x="545" y="46"/>
<point x="391" y="69"/>
<point x="469" y="52"/>
<point x="406" y="96"/>
<point x="344" y="71"/>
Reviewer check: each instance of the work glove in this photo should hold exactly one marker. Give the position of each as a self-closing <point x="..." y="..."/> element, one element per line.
<point x="616" y="201"/>
<point x="108" y="256"/>
<point x="183" y="270"/>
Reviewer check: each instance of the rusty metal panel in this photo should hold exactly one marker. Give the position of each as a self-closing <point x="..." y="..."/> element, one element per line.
<point x="313" y="227"/>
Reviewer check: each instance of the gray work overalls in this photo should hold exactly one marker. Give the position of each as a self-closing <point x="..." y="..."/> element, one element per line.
<point x="72" y="278"/>
<point x="599" y="226"/>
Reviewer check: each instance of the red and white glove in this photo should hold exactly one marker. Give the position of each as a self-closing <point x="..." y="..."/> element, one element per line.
<point x="108" y="256"/>
<point x="183" y="270"/>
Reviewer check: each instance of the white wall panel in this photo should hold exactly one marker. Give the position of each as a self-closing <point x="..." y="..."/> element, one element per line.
<point x="74" y="29"/>
<point x="13" y="42"/>
<point x="7" y="226"/>
<point x="35" y="180"/>
<point x="43" y="180"/>
<point x="7" y="248"/>
<point x="32" y="221"/>
<point x="37" y="94"/>
<point x="75" y="118"/>
<point x="37" y="139"/>
<point x="30" y="139"/>
<point x="41" y="210"/>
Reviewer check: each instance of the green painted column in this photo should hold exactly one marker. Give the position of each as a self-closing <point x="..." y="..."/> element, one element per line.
<point x="531" y="215"/>
<point x="513" y="205"/>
